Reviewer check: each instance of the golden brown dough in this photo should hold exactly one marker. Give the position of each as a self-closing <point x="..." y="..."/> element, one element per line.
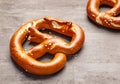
<point x="109" y="18"/>
<point x="47" y="44"/>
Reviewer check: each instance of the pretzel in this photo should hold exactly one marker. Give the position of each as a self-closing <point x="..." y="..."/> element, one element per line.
<point x="108" y="18"/>
<point x="46" y="43"/>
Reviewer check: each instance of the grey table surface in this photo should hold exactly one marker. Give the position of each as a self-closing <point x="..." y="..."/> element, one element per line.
<point x="98" y="62"/>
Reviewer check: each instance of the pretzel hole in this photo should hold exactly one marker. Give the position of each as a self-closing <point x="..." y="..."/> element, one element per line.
<point x="27" y="45"/>
<point x="104" y="8"/>
<point x="56" y="34"/>
<point x="46" y="58"/>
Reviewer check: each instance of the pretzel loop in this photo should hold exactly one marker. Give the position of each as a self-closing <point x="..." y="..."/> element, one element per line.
<point x="46" y="44"/>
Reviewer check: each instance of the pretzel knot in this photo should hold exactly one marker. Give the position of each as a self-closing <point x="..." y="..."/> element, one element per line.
<point x="108" y="18"/>
<point x="27" y="59"/>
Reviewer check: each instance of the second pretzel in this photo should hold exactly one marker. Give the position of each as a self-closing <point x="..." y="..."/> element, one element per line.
<point x="109" y="18"/>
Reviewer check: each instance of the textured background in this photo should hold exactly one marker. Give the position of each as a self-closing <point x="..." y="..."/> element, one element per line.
<point x="98" y="62"/>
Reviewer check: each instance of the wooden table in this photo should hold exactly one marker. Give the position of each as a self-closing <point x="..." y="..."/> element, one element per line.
<point x="98" y="62"/>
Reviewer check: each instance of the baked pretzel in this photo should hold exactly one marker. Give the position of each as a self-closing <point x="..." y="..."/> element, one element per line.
<point x="27" y="59"/>
<point x="109" y="18"/>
